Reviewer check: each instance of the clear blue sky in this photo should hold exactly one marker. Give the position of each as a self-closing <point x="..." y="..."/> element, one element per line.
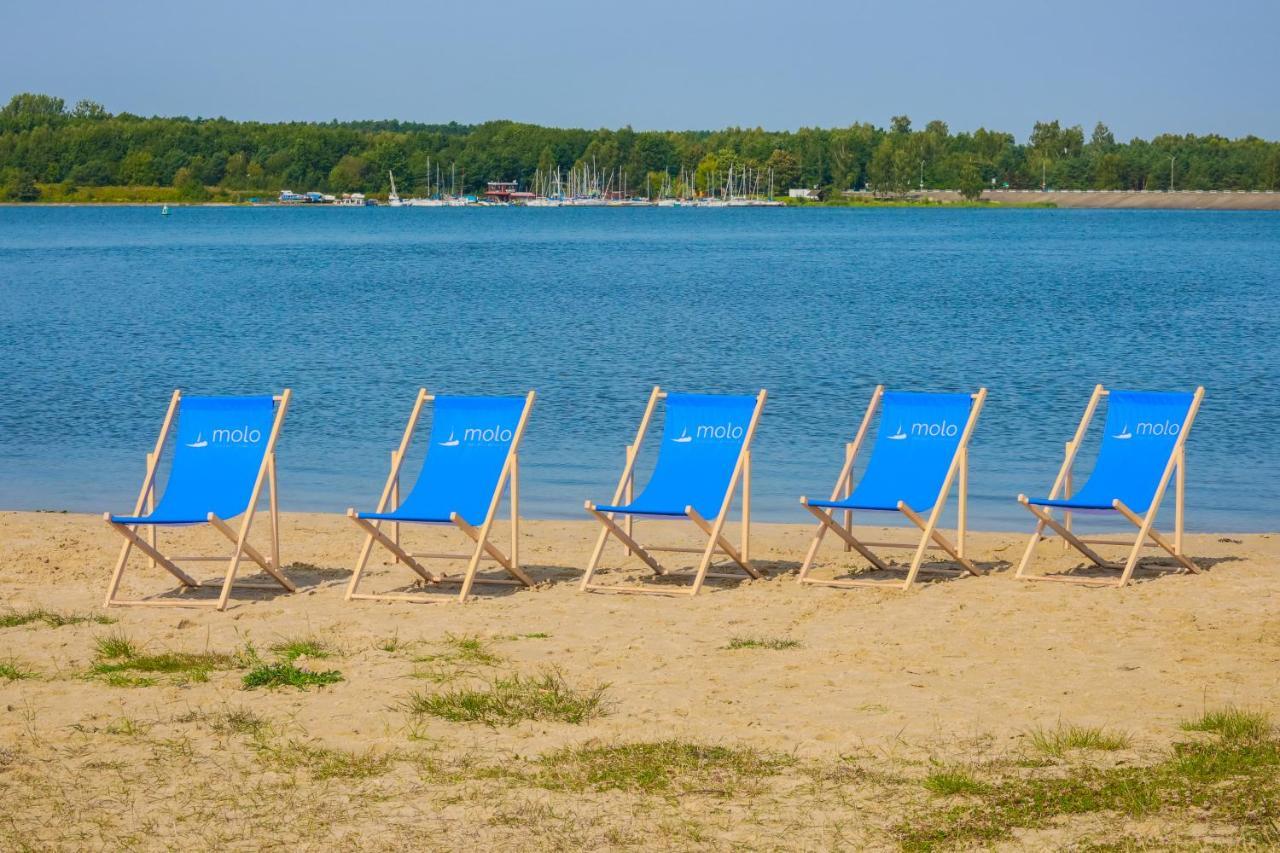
<point x="1141" y="66"/>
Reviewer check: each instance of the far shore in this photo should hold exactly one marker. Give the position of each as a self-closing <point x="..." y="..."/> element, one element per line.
<point x="863" y="200"/>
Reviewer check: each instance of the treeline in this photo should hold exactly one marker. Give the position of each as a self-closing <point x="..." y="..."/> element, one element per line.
<point x="43" y="143"/>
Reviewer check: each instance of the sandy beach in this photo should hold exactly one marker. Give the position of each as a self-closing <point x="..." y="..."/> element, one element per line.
<point x="822" y="709"/>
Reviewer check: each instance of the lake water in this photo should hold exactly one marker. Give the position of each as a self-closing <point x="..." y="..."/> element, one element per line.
<point x="104" y="311"/>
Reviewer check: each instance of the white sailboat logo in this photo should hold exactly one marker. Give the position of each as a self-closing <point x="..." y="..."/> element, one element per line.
<point x="684" y="437"/>
<point x="899" y="435"/>
<point x="199" y="442"/>
<point x="1123" y="434"/>
<point x="452" y="442"/>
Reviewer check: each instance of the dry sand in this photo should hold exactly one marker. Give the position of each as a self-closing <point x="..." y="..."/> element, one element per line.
<point x="881" y="683"/>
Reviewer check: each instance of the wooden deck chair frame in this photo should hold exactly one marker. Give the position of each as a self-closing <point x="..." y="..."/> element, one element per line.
<point x="931" y="538"/>
<point x="482" y="548"/>
<point x="1147" y="537"/>
<point x="717" y="542"/>
<point x="240" y="539"/>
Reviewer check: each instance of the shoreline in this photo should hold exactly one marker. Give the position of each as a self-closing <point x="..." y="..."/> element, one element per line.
<point x="1238" y="200"/>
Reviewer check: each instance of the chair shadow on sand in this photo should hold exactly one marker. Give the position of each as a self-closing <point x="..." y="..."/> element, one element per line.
<point x="1147" y="570"/>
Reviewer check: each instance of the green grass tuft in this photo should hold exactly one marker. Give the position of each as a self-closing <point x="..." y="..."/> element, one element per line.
<point x="286" y="674"/>
<point x="11" y="670"/>
<point x="512" y="699"/>
<point x="663" y="767"/>
<point x="16" y="618"/>
<point x="951" y="781"/>
<point x="1232" y="724"/>
<point x="308" y="647"/>
<point x="121" y="664"/>
<point x="776" y="643"/>
<point x="240" y="721"/>
<point x="1056" y="742"/>
<point x="114" y="646"/>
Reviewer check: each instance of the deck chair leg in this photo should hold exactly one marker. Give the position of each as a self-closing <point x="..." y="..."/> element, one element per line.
<point x="918" y="558"/>
<point x="133" y="539"/>
<point x="118" y="573"/>
<point x="942" y="541"/>
<point x="721" y="541"/>
<point x="1036" y="536"/>
<point x="1155" y="537"/>
<point x="596" y="553"/>
<point x="613" y="527"/>
<point x="484" y="546"/>
<point x="812" y="553"/>
<point x="829" y="521"/>
<point x="275" y="513"/>
<point x="385" y="541"/>
<point x="1075" y="541"/>
<point x="252" y="553"/>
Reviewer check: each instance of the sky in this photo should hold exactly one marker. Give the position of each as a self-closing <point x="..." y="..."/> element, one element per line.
<point x="1142" y="67"/>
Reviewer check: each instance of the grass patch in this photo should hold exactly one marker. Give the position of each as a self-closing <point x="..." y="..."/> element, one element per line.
<point x="115" y="645"/>
<point x="240" y="721"/>
<point x="776" y="643"/>
<point x="323" y="762"/>
<point x="16" y="618"/>
<point x="1057" y="742"/>
<point x="464" y="649"/>
<point x="1233" y="779"/>
<point x="302" y="647"/>
<point x="953" y="781"/>
<point x="14" y="671"/>
<point x="122" y="664"/>
<point x="1231" y="724"/>
<point x="287" y="674"/>
<point x="669" y="767"/>
<point x="513" y="699"/>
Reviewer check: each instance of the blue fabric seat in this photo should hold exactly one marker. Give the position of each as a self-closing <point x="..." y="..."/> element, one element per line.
<point x="1138" y="440"/>
<point x="915" y="445"/>
<point x="467" y="448"/>
<point x="702" y="437"/>
<point x="219" y="452"/>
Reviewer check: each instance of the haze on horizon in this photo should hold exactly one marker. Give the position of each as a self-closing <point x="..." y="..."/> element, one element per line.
<point x="1142" y="67"/>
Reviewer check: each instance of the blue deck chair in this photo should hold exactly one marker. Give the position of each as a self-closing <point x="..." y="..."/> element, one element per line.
<point x="922" y="446"/>
<point x="1143" y="445"/>
<point x="225" y="451"/>
<point x="472" y="456"/>
<point x="705" y="453"/>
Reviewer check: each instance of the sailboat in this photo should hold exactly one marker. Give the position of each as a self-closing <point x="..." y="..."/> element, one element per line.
<point x="393" y="199"/>
<point x="164" y="211"/>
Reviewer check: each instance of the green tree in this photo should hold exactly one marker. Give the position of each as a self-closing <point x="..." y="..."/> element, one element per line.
<point x="188" y="185"/>
<point x="21" y="186"/>
<point x="138" y="168"/>
<point x="971" y="183"/>
<point x="786" y="169"/>
<point x="348" y="175"/>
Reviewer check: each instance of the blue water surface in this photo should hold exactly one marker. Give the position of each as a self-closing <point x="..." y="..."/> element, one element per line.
<point x="103" y="311"/>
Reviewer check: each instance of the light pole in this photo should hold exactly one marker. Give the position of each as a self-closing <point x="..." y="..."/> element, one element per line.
<point x="1171" y="159"/>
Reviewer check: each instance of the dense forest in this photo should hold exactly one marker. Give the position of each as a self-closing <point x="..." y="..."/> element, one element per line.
<point x="48" y="150"/>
